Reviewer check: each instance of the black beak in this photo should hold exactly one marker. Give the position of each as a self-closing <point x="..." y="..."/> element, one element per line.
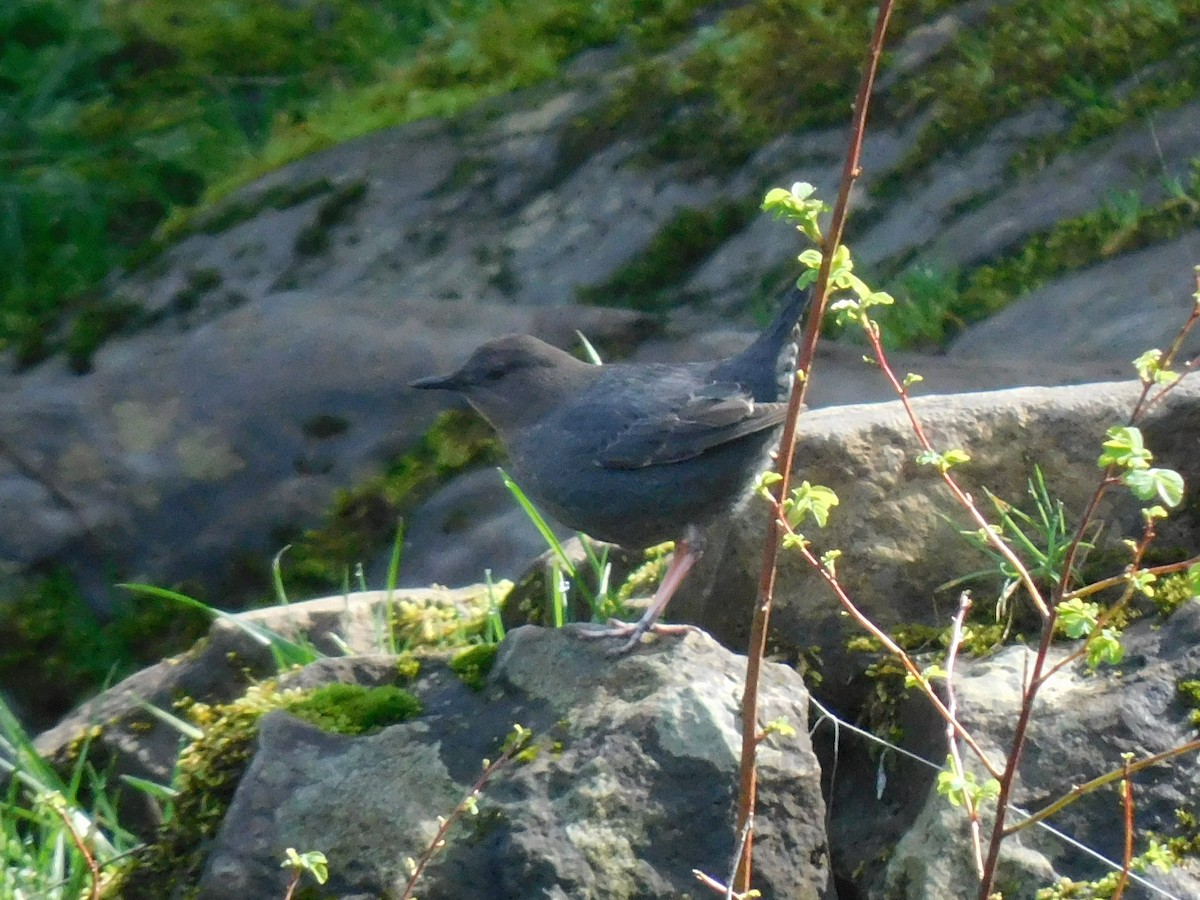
<point x="437" y="383"/>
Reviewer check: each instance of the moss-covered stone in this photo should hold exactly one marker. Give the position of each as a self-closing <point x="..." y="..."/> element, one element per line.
<point x="333" y="211"/>
<point x="364" y="519"/>
<point x="1188" y="692"/>
<point x="473" y="665"/>
<point x="354" y="709"/>
<point x="944" y="303"/>
<point x="208" y="772"/>
<point x="1024" y="52"/>
<point x="650" y="281"/>
<point x="210" y="768"/>
<point x="1171" y="593"/>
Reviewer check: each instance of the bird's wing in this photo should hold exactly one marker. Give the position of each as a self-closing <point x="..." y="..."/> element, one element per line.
<point x="718" y="415"/>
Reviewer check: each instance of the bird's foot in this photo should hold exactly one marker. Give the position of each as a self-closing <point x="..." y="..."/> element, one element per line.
<point x="632" y="632"/>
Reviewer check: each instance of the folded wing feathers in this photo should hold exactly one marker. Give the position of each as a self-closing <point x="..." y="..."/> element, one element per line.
<point x="701" y="423"/>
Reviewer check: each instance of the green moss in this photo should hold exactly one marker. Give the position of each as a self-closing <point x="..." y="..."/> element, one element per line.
<point x="650" y="281"/>
<point x="95" y="323"/>
<point x="979" y="639"/>
<point x="333" y="211"/>
<point x="763" y="69"/>
<point x="354" y="709"/>
<point x="210" y="768"/>
<point x="934" y="306"/>
<point x="57" y="651"/>
<point x="1188" y="692"/>
<point x="408" y="667"/>
<point x="1171" y="593"/>
<point x="473" y="665"/>
<point x="364" y="519"/>
<point x="207" y="775"/>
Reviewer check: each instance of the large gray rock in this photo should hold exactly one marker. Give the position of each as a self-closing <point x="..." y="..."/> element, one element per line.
<point x="633" y="786"/>
<point x="127" y="738"/>
<point x="897" y="524"/>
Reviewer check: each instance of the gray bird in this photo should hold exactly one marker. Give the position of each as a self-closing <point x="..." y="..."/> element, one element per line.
<point x="634" y="453"/>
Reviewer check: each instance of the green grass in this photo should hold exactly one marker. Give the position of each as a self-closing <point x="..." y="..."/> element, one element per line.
<point x="933" y="306"/>
<point x="1074" y="51"/>
<point x="121" y="118"/>
<point x="650" y="281"/>
<point x="57" y="650"/>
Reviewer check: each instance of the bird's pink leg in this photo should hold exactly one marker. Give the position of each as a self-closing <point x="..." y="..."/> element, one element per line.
<point x="687" y="552"/>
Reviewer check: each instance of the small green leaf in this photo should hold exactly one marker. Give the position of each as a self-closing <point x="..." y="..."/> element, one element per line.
<point x="810" y="501"/>
<point x="780" y="726"/>
<point x="810" y="258"/>
<point x="929" y="673"/>
<point x="1147" y="484"/>
<point x="794" y="541"/>
<point x="313" y="862"/>
<point x="1105" y="648"/>
<point x="1124" y="448"/>
<point x="942" y="461"/>
<point x="912" y="378"/>
<point x="1077" y="618"/>
<point x="1193" y="579"/>
<point x="1147" y="365"/>
<point x="764" y="482"/>
<point x="1143" y="582"/>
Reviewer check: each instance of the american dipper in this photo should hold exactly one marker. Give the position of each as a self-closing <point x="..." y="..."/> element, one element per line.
<point x="634" y="453"/>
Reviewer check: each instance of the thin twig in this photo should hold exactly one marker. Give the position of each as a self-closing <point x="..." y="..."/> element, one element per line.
<point x="1127" y="808"/>
<point x="956" y="637"/>
<point x="439" y="839"/>
<point x="897" y="651"/>
<point x="1035" y="596"/>
<point x="747" y="787"/>
<point x="77" y="839"/>
<point x="1098" y="782"/>
<point x="1040" y="673"/>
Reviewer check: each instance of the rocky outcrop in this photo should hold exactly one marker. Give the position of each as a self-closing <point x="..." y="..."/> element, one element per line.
<point x="898" y="526"/>
<point x="281" y="330"/>
<point x="1084" y="723"/>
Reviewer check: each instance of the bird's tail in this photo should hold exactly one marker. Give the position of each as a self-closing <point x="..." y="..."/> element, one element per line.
<point x="760" y="366"/>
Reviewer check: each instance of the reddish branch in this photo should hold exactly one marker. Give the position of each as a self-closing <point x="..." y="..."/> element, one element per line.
<point x="766" y="586"/>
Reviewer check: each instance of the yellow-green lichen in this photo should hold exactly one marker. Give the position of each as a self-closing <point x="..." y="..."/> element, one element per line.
<point x="210" y="768"/>
<point x="473" y="665"/>
<point x="208" y="772"/>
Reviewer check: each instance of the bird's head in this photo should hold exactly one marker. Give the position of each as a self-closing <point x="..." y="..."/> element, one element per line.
<point x="513" y="380"/>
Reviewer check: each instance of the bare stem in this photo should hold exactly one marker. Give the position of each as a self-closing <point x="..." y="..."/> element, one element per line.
<point x="81" y="846"/>
<point x="960" y="495"/>
<point x="439" y="839"/>
<point x="896" y="650"/>
<point x="747" y="787"/>
<point x="1100" y="781"/>
<point x="956" y="636"/>
<point x="1127" y="808"/>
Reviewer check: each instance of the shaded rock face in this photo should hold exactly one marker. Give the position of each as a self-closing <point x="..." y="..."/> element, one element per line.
<point x="1083" y="724"/>
<point x="631" y="789"/>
